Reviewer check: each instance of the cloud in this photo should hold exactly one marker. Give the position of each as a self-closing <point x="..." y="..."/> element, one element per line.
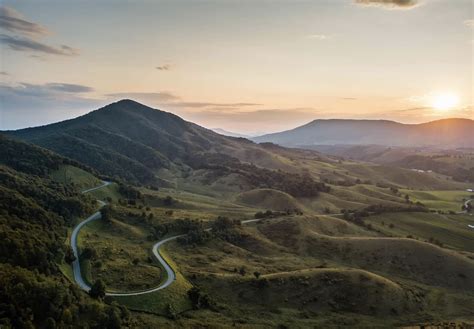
<point x="29" y="45"/>
<point x="49" y="90"/>
<point x="171" y="100"/>
<point x="4" y="73"/>
<point x="469" y="23"/>
<point x="318" y="37"/>
<point x="69" y="87"/>
<point x="217" y="105"/>
<point x="26" y="104"/>
<point x="165" y="67"/>
<point x="21" y="35"/>
<point x="147" y="98"/>
<point x="422" y="114"/>
<point x="390" y="4"/>
<point x="13" y="21"/>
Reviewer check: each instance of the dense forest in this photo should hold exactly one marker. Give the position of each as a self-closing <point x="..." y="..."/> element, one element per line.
<point x="35" y="213"/>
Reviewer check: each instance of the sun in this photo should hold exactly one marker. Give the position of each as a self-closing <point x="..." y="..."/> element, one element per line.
<point x="445" y="101"/>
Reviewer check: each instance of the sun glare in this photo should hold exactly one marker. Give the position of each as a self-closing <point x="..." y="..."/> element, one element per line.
<point x="445" y="101"/>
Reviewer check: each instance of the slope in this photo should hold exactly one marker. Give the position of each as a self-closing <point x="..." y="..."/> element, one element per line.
<point x="441" y="133"/>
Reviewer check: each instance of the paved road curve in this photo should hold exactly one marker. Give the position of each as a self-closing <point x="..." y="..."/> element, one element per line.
<point x="76" y="266"/>
<point x="170" y="274"/>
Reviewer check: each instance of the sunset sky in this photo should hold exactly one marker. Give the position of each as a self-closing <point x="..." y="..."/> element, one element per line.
<point x="244" y="66"/>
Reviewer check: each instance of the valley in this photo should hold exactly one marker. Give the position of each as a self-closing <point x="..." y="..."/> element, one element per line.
<point x="236" y="164"/>
<point x="199" y="228"/>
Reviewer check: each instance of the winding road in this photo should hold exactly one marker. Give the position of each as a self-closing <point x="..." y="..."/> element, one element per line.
<point x="170" y="273"/>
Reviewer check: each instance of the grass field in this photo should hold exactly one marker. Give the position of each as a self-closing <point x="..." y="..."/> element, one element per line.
<point x="451" y="230"/>
<point x="123" y="261"/>
<point x="440" y="200"/>
<point x="72" y="175"/>
<point x="158" y="302"/>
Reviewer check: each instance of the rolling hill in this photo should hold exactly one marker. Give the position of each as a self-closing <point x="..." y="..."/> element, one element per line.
<point x="449" y="133"/>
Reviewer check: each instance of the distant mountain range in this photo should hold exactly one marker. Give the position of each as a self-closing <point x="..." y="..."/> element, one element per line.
<point x="447" y="133"/>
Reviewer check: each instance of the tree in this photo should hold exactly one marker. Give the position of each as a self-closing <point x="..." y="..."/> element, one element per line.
<point x="113" y="319"/>
<point x="199" y="299"/>
<point x="256" y="274"/>
<point x="98" y="289"/>
<point x="407" y="198"/>
<point x="168" y="201"/>
<point x="69" y="255"/>
<point x="262" y="283"/>
<point x="194" y="295"/>
<point x="106" y="213"/>
<point x="242" y="271"/>
<point x="170" y="311"/>
<point x="89" y="253"/>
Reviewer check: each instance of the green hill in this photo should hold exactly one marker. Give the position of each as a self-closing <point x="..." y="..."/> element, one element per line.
<point x="268" y="199"/>
<point x="36" y="212"/>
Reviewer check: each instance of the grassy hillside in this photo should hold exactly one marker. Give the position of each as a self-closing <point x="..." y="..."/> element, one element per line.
<point x="310" y="267"/>
<point x="269" y="199"/>
<point x="455" y="163"/>
<point x="440" y="200"/>
<point x="451" y="231"/>
<point x="78" y="177"/>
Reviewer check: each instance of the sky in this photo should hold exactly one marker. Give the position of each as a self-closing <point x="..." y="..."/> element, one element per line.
<point x="244" y="66"/>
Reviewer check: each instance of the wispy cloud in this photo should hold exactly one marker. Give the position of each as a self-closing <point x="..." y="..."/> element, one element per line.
<point x="319" y="37"/>
<point x="30" y="45"/>
<point x="169" y="99"/>
<point x="26" y="103"/>
<point x="423" y="114"/>
<point x="469" y="23"/>
<point x="22" y="35"/>
<point x="69" y="87"/>
<point x="147" y="98"/>
<point x="164" y="67"/>
<point x="210" y="104"/>
<point x="13" y="21"/>
<point x="390" y="4"/>
<point x="49" y="90"/>
<point x="4" y="73"/>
